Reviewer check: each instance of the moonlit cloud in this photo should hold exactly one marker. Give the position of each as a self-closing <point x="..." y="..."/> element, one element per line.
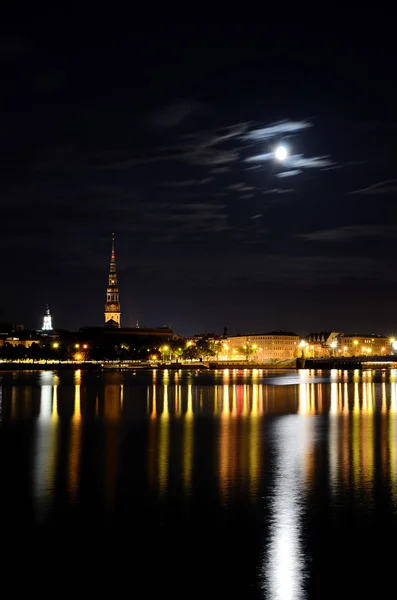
<point x="297" y="161"/>
<point x="382" y="187"/>
<point x="277" y="129"/>
<point x="315" y="162"/>
<point x="278" y="191"/>
<point x="289" y="173"/>
<point x="261" y="157"/>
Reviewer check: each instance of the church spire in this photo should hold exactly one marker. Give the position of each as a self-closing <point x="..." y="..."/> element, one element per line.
<point x="112" y="305"/>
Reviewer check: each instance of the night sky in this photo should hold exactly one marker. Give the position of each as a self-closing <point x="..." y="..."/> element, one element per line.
<point x="166" y="136"/>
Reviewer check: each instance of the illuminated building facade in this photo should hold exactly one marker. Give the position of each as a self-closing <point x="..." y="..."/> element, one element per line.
<point x="47" y="320"/>
<point x="261" y="347"/>
<point x="320" y="344"/>
<point x="112" y="305"/>
<point x="361" y="344"/>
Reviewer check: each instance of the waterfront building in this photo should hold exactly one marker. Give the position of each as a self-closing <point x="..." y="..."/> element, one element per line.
<point x="364" y="344"/>
<point x="261" y="347"/>
<point x="320" y="344"/>
<point x="112" y="305"/>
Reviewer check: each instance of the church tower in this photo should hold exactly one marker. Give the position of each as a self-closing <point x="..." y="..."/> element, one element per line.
<point x="112" y="306"/>
<point x="47" y="321"/>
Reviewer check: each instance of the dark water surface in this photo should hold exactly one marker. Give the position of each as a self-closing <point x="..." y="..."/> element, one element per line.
<point x="226" y="484"/>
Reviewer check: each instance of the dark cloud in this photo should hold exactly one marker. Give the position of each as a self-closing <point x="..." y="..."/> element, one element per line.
<point x="220" y="170"/>
<point x="188" y="182"/>
<point x="278" y="191"/>
<point x="388" y="186"/>
<point x="174" y="113"/>
<point x="350" y="232"/>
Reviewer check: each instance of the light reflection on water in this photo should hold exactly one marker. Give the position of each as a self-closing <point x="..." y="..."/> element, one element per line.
<point x="284" y="562"/>
<point x="228" y="443"/>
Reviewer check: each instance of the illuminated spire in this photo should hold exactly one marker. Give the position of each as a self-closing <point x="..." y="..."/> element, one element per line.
<point x="47" y="321"/>
<point x="112" y="305"/>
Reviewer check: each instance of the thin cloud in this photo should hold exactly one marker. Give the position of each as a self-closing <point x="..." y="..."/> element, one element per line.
<point x="220" y="170"/>
<point x="289" y="173"/>
<point x="257" y="216"/>
<point x="240" y="187"/>
<point x="173" y="114"/>
<point x="275" y="130"/>
<point x="349" y="232"/>
<point x="295" y="161"/>
<point x="382" y="187"/>
<point x="187" y="182"/>
<point x="278" y="191"/>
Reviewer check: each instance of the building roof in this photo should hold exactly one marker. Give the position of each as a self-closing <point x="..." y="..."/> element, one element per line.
<point x="278" y="332"/>
<point x="366" y="335"/>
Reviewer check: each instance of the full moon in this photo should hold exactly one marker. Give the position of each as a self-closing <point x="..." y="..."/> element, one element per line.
<point x="281" y="153"/>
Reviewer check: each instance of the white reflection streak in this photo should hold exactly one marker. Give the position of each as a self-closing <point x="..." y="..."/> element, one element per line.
<point x="283" y="567"/>
<point x="43" y="445"/>
<point x="333" y="438"/>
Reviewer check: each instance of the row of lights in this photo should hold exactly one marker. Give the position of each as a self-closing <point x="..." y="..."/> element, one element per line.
<point x="364" y="349"/>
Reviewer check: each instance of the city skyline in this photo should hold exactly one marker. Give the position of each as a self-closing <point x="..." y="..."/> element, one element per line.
<point x="212" y="228"/>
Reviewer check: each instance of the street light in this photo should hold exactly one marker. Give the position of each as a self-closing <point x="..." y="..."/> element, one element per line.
<point x="303" y="345"/>
<point x="333" y="346"/>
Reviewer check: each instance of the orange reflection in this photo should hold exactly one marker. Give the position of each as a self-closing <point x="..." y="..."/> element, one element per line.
<point x="333" y="450"/>
<point x="75" y="443"/>
<point x="188" y="441"/>
<point x="152" y="440"/>
<point x="255" y="442"/>
<point x="225" y="401"/>
<point x="163" y="445"/>
<point x="111" y="413"/>
<point x="392" y="443"/>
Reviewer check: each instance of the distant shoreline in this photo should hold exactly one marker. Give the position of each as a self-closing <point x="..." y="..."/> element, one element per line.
<point x="103" y="367"/>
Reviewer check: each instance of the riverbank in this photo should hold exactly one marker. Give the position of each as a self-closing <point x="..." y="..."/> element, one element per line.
<point x="128" y="366"/>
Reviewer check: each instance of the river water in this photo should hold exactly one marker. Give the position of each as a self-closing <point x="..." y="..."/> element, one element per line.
<point x="240" y="484"/>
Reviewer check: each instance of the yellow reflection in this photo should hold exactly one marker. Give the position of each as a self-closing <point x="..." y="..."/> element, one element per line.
<point x="384" y="402"/>
<point x="392" y="444"/>
<point x="112" y="404"/>
<point x="356" y="437"/>
<point x="178" y="400"/>
<point x="234" y="399"/>
<point x="393" y="399"/>
<point x="304" y="406"/>
<point x="225" y="403"/>
<point x="226" y="449"/>
<point x="75" y="443"/>
<point x="152" y="441"/>
<point x="255" y="400"/>
<point x="154" y="407"/>
<point x="188" y="441"/>
<point x="245" y="400"/>
<point x="163" y="449"/>
<point x="254" y="444"/>
<point x="333" y="438"/>
<point x="367" y="438"/>
<point x="111" y="413"/>
<point x="346" y="398"/>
